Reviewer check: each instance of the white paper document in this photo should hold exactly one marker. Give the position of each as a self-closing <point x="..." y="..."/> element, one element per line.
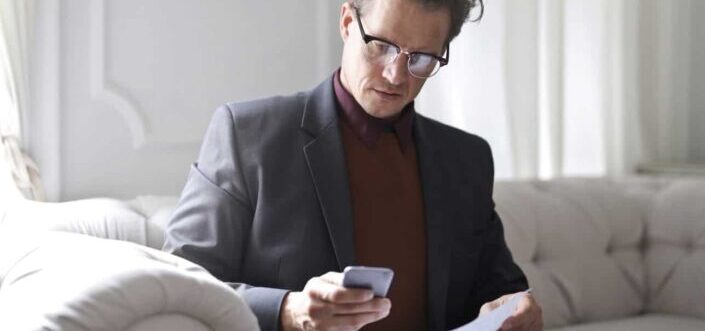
<point x="493" y="320"/>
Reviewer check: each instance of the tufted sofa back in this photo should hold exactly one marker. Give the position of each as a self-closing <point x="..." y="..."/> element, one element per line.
<point x="599" y="249"/>
<point x="593" y="249"/>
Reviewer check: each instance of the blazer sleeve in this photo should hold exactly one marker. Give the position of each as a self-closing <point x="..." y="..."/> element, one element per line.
<point x="212" y="220"/>
<point x="498" y="273"/>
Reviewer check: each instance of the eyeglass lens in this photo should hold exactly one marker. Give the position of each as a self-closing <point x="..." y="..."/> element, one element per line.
<point x="420" y="65"/>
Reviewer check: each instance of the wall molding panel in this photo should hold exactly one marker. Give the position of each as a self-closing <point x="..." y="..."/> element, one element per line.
<point x="102" y="90"/>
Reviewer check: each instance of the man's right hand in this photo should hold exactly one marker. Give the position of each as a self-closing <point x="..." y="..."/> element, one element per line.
<point x="324" y="304"/>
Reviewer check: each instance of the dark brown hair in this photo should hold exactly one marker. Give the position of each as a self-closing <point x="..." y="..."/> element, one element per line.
<point x="459" y="11"/>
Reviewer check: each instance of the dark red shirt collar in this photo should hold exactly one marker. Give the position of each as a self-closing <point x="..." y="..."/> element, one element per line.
<point x="369" y="128"/>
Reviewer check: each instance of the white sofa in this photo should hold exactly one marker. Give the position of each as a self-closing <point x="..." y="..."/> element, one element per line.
<point x="54" y="277"/>
<point x="600" y="254"/>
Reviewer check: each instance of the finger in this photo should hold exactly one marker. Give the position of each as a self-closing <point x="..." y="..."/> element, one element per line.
<point x="488" y="307"/>
<point x="536" y="325"/>
<point x="319" y="309"/>
<point x="333" y="278"/>
<point x="535" y="316"/>
<point x="337" y="279"/>
<point x="492" y="305"/>
<point x="510" y="323"/>
<point x="527" y="324"/>
<point x="347" y="322"/>
<point x="524" y="305"/>
<point x="517" y="322"/>
<point x="326" y="291"/>
<point x="379" y="305"/>
<point x="526" y="314"/>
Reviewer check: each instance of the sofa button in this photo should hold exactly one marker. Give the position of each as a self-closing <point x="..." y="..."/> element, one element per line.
<point x="534" y="259"/>
<point x="691" y="247"/>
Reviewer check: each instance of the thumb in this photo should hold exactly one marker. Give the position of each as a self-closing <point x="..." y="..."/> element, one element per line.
<point x="492" y="305"/>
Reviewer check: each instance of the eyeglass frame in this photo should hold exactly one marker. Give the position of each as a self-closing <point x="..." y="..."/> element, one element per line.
<point x="442" y="61"/>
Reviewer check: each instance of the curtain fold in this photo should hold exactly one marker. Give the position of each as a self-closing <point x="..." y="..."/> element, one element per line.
<point x="555" y="86"/>
<point x="19" y="175"/>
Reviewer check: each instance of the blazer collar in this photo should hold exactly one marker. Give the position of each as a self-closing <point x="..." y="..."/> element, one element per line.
<point x="320" y="108"/>
<point x="326" y="163"/>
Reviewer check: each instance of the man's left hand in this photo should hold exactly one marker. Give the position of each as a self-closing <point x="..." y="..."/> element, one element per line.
<point x="527" y="317"/>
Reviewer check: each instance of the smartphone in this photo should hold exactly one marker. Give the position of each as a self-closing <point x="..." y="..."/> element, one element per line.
<point x="376" y="279"/>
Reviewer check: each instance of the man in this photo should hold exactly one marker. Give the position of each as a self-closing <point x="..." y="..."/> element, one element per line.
<point x="288" y="191"/>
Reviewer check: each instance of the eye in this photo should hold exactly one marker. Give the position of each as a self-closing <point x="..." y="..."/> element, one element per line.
<point x="421" y="60"/>
<point x="383" y="48"/>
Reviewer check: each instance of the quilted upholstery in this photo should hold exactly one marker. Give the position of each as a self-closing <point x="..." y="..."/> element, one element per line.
<point x="675" y="258"/>
<point x="71" y="282"/>
<point x="598" y="249"/>
<point x="600" y="254"/>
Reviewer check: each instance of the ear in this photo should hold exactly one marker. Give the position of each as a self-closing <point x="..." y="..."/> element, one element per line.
<point x="346" y="18"/>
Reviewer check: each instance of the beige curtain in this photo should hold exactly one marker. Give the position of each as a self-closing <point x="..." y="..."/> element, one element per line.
<point x="19" y="175"/>
<point x="552" y="85"/>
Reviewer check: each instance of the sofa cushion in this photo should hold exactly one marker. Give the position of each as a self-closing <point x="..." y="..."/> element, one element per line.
<point x="675" y="256"/>
<point x="579" y="242"/>
<point x="99" y="217"/>
<point x="65" y="281"/>
<point x="168" y="322"/>
<point x="650" y="322"/>
<point x="157" y="210"/>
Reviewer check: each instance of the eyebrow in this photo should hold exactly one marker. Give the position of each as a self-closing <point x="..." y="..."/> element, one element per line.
<point x="364" y="32"/>
<point x="397" y="45"/>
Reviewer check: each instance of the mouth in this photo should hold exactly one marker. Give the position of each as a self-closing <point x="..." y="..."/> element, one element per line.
<point x="387" y="95"/>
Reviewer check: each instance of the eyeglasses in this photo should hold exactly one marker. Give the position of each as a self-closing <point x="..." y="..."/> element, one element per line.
<point x="380" y="51"/>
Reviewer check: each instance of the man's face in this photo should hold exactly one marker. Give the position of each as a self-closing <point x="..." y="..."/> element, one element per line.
<point x="384" y="90"/>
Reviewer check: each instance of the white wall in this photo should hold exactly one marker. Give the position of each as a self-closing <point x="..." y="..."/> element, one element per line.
<point x="125" y="89"/>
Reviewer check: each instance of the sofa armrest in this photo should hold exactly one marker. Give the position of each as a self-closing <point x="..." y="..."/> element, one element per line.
<point x="65" y="281"/>
<point x="97" y="217"/>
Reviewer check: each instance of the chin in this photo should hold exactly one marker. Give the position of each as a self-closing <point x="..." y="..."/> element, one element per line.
<point x="385" y="112"/>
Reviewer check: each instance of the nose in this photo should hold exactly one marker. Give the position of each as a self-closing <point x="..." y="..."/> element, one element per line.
<point x="396" y="72"/>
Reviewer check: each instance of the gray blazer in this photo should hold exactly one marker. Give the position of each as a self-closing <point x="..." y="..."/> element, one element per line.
<point x="267" y="207"/>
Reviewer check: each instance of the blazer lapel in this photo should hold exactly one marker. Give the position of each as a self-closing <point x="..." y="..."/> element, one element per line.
<point x="434" y="183"/>
<point x="326" y="162"/>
